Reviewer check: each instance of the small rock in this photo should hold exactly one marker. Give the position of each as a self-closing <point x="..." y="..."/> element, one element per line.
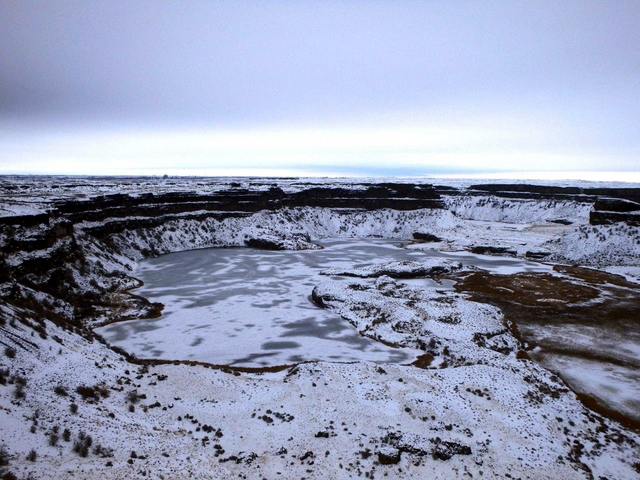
<point x="388" y="455"/>
<point x="446" y="450"/>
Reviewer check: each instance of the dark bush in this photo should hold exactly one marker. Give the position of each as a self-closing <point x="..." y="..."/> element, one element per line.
<point x="103" y="452"/>
<point x="82" y="444"/>
<point x="134" y="397"/>
<point x="60" y="390"/>
<point x="4" y="456"/>
<point x="94" y="393"/>
<point x="88" y="393"/>
<point x="19" y="392"/>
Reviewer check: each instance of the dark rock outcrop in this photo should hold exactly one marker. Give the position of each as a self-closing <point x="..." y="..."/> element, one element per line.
<point x="559" y="193"/>
<point x="426" y="237"/>
<point x="445" y="450"/>
<point x="492" y="250"/>
<point x="274" y="241"/>
<point x="537" y="255"/>
<point x="389" y="456"/>
<point x="401" y="269"/>
<point x="612" y="210"/>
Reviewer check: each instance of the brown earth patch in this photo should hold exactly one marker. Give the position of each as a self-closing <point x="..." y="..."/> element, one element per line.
<point x="423" y="361"/>
<point x="525" y="288"/>
<point x="578" y="297"/>
<point x="597" y="277"/>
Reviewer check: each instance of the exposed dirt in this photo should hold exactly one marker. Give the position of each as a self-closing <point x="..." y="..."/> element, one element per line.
<point x="587" y="297"/>
<point x="596" y="277"/>
<point x="525" y="289"/>
<point x="577" y="298"/>
<point x="423" y="361"/>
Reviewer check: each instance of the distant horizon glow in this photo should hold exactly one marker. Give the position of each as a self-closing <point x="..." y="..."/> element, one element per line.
<point x="465" y="151"/>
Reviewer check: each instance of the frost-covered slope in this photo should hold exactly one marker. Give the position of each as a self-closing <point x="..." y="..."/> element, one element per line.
<point x="513" y="210"/>
<point x="472" y="407"/>
<point x="176" y="233"/>
<point x="599" y="245"/>
<point x="315" y="420"/>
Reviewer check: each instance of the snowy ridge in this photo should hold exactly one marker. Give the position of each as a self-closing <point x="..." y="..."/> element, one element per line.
<point x="177" y="234"/>
<point x="599" y="246"/>
<point x="404" y="269"/>
<point x="605" y="246"/>
<point x="497" y="209"/>
<point x="186" y="420"/>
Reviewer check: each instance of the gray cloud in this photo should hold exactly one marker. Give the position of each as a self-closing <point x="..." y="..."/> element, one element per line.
<point x="573" y="66"/>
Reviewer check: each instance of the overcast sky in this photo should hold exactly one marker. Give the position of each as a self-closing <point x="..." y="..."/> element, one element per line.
<point x="319" y="88"/>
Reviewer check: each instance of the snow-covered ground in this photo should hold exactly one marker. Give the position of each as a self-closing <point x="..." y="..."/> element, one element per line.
<point x="319" y="420"/>
<point x="474" y="406"/>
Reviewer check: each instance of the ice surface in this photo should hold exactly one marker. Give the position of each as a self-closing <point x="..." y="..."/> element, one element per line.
<point x="249" y="307"/>
<point x="616" y="386"/>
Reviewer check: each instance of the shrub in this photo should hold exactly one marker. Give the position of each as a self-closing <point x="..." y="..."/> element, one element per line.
<point x="103" y="452"/>
<point x="4" y="456"/>
<point x="60" y="390"/>
<point x="19" y="391"/>
<point x="82" y="444"/>
<point x="93" y="393"/>
<point x="134" y="397"/>
<point x="10" y="352"/>
<point x="32" y="455"/>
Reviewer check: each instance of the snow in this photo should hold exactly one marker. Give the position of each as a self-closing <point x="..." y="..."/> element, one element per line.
<point x="618" y="386"/>
<point x="486" y="408"/>
<point x="454" y="330"/>
<point x="518" y="211"/>
<point x="599" y="246"/>
<point x="317" y="419"/>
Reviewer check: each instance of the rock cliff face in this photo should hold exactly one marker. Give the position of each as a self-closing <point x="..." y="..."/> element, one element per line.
<point x="609" y="210"/>
<point x="149" y="204"/>
<point x="78" y="249"/>
<point x="558" y="193"/>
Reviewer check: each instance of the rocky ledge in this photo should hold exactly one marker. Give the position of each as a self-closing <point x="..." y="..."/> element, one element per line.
<point x="404" y="269"/>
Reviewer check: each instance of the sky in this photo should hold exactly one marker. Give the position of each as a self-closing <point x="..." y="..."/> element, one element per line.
<point x="327" y="88"/>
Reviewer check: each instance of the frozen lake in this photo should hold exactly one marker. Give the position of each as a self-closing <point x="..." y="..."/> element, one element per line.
<point x="252" y="308"/>
<point x="247" y="307"/>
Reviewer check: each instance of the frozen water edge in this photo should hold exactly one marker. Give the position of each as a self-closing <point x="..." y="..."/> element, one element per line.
<point x="246" y="307"/>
